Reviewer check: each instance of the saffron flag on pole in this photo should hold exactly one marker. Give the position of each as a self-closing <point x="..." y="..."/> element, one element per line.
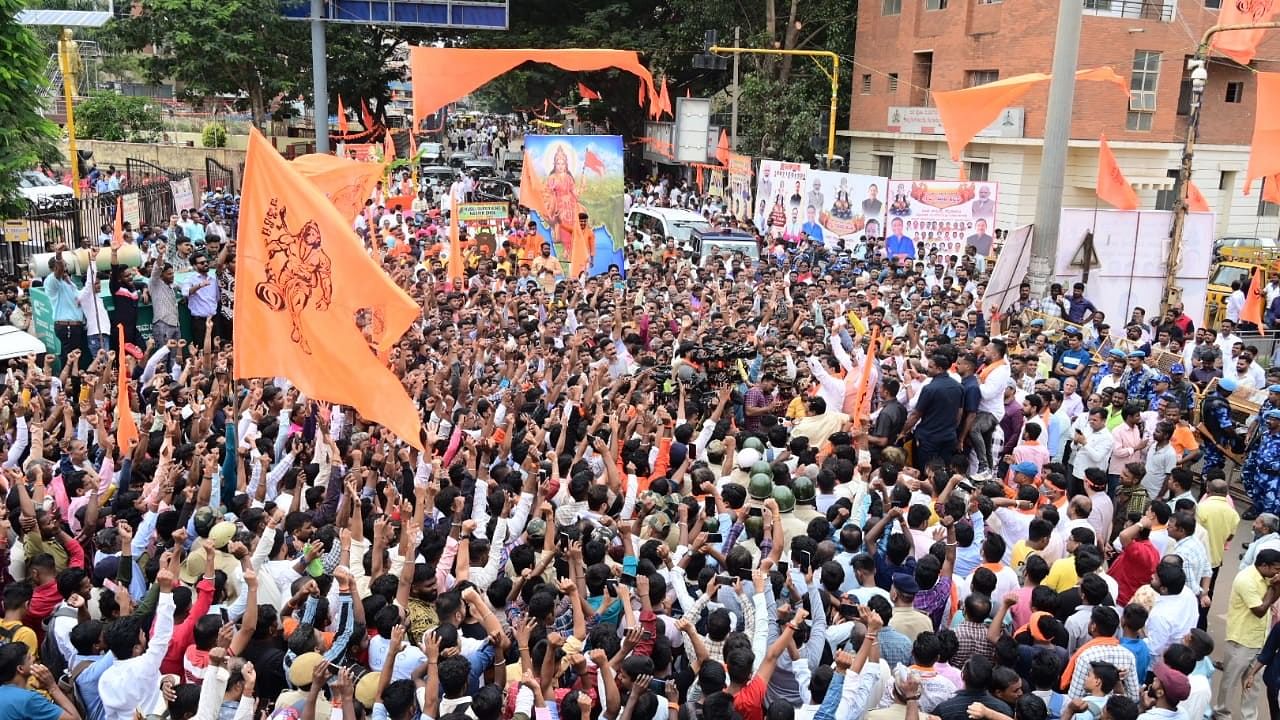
<point x="126" y="426"/>
<point x="1112" y="187"/>
<point x="302" y="279"/>
<point x="346" y="182"/>
<point x="592" y="162"/>
<point x="664" y="100"/>
<point x="965" y="113"/>
<point x="1241" y="45"/>
<point x="365" y="116"/>
<point x="117" y="229"/>
<point x="1195" y="199"/>
<point x="388" y="147"/>
<point x="531" y="189"/>
<point x="722" y="149"/>
<point x="1264" y="147"/>
<point x="1256" y="300"/>
<point x="342" y="117"/>
<point x="587" y="93"/>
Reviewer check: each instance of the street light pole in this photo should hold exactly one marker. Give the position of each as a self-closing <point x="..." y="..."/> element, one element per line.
<point x="833" y="76"/>
<point x="733" y="123"/>
<point x="1199" y="76"/>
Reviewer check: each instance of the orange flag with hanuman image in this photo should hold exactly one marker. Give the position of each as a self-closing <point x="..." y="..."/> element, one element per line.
<point x="126" y="426"/>
<point x="302" y="279"/>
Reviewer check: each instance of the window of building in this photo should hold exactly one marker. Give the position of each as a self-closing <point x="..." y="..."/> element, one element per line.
<point x="884" y="166"/>
<point x="1213" y="4"/>
<point x="1226" y="179"/>
<point x="866" y="84"/>
<point x="1165" y="199"/>
<point x="926" y="168"/>
<point x="893" y="82"/>
<point x="989" y="2"/>
<point x="892" y="7"/>
<point x="1143" y="83"/>
<point x="1266" y="209"/>
<point x="973" y="78"/>
<point x="1235" y="92"/>
<point x="979" y="171"/>
<point x="921" y="78"/>
<point x="935" y="4"/>
<point x="1102" y="5"/>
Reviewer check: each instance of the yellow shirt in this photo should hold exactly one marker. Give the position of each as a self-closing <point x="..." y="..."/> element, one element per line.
<point x="1243" y="626"/>
<point x="1219" y="520"/>
<point x="21" y="634"/>
<point x="1022" y="551"/>
<point x="1062" y="576"/>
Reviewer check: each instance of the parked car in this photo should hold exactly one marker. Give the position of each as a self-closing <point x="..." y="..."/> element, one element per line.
<point x="654" y="225"/>
<point x="37" y="188"/>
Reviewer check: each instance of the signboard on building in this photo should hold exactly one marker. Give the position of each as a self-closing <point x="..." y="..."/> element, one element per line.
<point x="454" y="14"/>
<point x="779" y="195"/>
<point x="693" y="119"/>
<point x="183" y="197"/>
<point x="926" y="121"/>
<point x="473" y="212"/>
<point x="17" y="231"/>
<point x="132" y="213"/>
<point x="942" y="216"/>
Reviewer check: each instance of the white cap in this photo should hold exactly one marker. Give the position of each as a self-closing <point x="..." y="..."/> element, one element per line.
<point x="747" y="457"/>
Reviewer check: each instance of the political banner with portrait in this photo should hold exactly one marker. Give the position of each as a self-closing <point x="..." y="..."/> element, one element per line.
<point x="840" y="206"/>
<point x="739" y="200"/>
<point x="779" y="195"/>
<point x="942" y="216"/>
<point x="577" y="174"/>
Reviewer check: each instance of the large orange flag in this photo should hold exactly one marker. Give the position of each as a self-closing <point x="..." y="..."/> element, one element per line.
<point x="1264" y="151"/>
<point x="1112" y="187"/>
<point x="1254" y="303"/>
<point x="443" y="75"/>
<point x="126" y="426"/>
<point x="342" y="117"/>
<point x="346" y="182"/>
<point x="531" y="189"/>
<point x="1240" y="45"/>
<point x="302" y="277"/>
<point x="456" y="263"/>
<point x="117" y="229"/>
<point x="965" y="113"/>
<point x="1195" y="199"/>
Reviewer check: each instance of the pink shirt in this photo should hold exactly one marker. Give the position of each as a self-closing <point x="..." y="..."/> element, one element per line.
<point x="1125" y="448"/>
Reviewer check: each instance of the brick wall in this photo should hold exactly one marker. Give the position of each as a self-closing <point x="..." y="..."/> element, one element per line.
<point x="1016" y="37"/>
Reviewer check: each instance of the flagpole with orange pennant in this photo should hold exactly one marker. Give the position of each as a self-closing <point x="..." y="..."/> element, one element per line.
<point x="117" y="229"/>
<point x="343" y="127"/>
<point x="1253" y="303"/>
<point x="126" y="426"/>
<point x="1111" y="185"/>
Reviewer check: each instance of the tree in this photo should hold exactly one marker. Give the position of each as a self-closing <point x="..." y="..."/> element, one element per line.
<point x="222" y="47"/>
<point x="26" y="137"/>
<point x="118" y="118"/>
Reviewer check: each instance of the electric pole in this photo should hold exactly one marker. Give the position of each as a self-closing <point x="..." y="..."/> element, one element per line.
<point x="733" y="132"/>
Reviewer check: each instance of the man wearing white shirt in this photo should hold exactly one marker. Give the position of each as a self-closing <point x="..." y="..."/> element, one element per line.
<point x="1227" y="338"/>
<point x="993" y="378"/>
<point x="1235" y="302"/>
<point x="132" y="683"/>
<point x="1175" y="611"/>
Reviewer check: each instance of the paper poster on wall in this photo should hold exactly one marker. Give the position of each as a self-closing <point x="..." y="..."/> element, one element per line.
<point x="132" y="213"/>
<point x="740" y="186"/>
<point x="780" y="194"/>
<point x="840" y="206"/>
<point x="942" y="216"/>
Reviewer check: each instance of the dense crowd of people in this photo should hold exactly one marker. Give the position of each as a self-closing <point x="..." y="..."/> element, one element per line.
<point x="821" y="484"/>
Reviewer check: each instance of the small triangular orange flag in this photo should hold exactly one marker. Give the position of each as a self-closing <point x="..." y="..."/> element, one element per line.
<point x="1112" y="188"/>
<point x="117" y="231"/>
<point x="1195" y="199"/>
<point x="342" y="117"/>
<point x="126" y="426"/>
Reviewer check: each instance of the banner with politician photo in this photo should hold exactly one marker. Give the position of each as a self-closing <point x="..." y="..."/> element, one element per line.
<point x="779" y="196"/>
<point x="839" y="206"/>
<point x="942" y="216"/>
<point x="739" y="200"/>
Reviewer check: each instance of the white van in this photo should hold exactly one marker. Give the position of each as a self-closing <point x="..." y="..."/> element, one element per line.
<point x="654" y="225"/>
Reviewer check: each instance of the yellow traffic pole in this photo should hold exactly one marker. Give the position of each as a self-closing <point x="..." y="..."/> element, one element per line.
<point x="66" y="61"/>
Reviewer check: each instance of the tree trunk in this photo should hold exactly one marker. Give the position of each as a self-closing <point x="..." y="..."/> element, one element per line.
<point x="789" y="42"/>
<point x="257" y="105"/>
<point x="771" y="27"/>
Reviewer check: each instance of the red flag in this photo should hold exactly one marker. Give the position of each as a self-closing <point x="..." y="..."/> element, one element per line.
<point x="722" y="148"/>
<point x="587" y="93"/>
<point x="664" y="100"/>
<point x="117" y="231"/>
<point x="1253" y="304"/>
<point x="365" y="116"/>
<point x="593" y="162"/>
<point x="342" y="117"/>
<point x="1241" y="45"/>
<point x="126" y="426"/>
<point x="1195" y="199"/>
<point x="1112" y="188"/>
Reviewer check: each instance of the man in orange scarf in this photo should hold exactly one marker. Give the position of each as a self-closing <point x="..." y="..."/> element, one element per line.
<point x="1102" y="647"/>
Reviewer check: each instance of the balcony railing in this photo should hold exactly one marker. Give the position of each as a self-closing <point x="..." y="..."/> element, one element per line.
<point x="1160" y="10"/>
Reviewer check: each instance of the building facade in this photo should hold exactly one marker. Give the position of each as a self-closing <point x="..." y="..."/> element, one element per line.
<point x="908" y="48"/>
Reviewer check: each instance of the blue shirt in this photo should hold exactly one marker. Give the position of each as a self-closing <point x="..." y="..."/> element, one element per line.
<point x="1072" y="360"/>
<point x="87" y="684"/>
<point x="1077" y="309"/>
<point x="202" y="301"/>
<point x="1141" y="653"/>
<point x="21" y="704"/>
<point x="62" y="295"/>
<point x="812" y="229"/>
<point x="896" y="245"/>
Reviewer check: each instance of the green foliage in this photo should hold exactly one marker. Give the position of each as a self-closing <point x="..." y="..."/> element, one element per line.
<point x="119" y="118"/>
<point x="26" y="138"/>
<point x="214" y="135"/>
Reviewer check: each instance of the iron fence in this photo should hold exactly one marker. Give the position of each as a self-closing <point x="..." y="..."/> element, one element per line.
<point x="218" y="175"/>
<point x="139" y="173"/>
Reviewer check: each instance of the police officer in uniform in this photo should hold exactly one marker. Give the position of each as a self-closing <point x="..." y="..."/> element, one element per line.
<point x="1261" y="470"/>
<point x="1218" y="428"/>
